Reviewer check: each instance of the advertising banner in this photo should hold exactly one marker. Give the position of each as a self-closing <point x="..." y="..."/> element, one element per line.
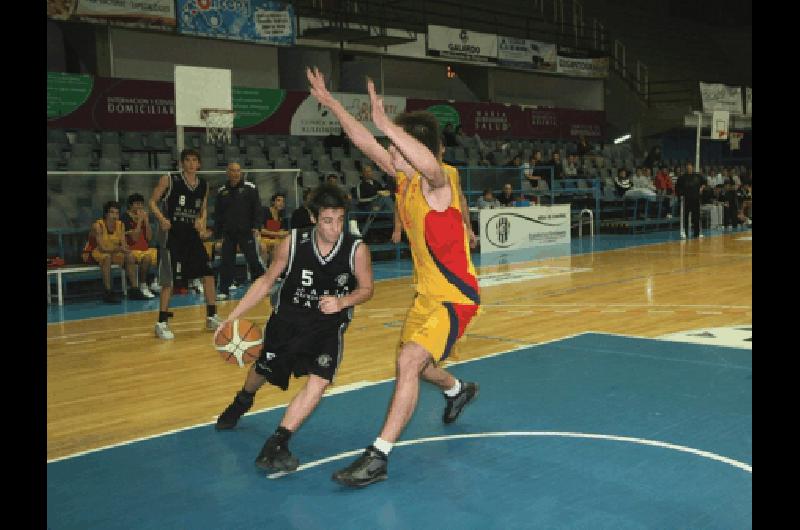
<point x="583" y="66"/>
<point x="462" y="44"/>
<point x="506" y="229"/>
<point x="527" y="54"/>
<point x="717" y="96"/>
<point x="259" y="21"/>
<point x="312" y="119"/>
<point x="137" y="13"/>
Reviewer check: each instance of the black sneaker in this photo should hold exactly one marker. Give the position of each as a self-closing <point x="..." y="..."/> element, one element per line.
<point x="275" y="456"/>
<point x="230" y="416"/>
<point x="370" y="467"/>
<point x="110" y="298"/>
<point x="456" y="404"/>
<point x="136" y="294"/>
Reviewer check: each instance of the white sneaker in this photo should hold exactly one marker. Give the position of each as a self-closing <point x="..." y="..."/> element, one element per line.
<point x="146" y="291"/>
<point x="163" y="331"/>
<point x="212" y="323"/>
<point x="700" y="236"/>
<point x="354" y="228"/>
<point x="197" y="285"/>
<point x="683" y="235"/>
<point x="233" y="287"/>
<point x="155" y="287"/>
<point x="222" y="296"/>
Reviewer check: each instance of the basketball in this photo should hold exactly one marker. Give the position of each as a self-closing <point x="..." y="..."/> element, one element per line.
<point x="239" y="342"/>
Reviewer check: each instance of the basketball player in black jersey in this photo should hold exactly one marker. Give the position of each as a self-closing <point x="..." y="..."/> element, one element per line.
<point x="327" y="272"/>
<point x="182" y="224"/>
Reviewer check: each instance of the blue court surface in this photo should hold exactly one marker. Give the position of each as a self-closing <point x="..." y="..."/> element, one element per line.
<point x="592" y="431"/>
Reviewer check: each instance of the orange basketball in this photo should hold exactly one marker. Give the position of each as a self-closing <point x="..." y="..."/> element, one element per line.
<point x="239" y="342"/>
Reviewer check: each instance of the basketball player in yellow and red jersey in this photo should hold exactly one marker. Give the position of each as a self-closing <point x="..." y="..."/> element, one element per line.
<point x="433" y="212"/>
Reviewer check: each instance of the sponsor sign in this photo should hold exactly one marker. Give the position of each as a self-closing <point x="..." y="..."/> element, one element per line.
<point x="313" y="119"/>
<point x="583" y="66"/>
<point x="462" y="44"/>
<point x="526" y="53"/>
<point x="259" y="21"/>
<point x="506" y="229"/>
<point x="137" y="13"/>
<point x="717" y="96"/>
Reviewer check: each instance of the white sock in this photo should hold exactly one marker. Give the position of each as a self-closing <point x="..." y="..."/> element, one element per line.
<point x="383" y="446"/>
<point x="453" y="392"/>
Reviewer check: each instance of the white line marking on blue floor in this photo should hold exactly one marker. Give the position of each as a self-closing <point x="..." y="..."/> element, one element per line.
<point x="629" y="439"/>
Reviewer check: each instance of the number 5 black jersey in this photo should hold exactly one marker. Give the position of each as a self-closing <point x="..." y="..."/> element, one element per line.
<point x="309" y="275"/>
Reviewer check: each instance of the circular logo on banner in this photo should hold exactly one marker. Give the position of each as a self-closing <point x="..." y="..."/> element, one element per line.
<point x="445" y="114"/>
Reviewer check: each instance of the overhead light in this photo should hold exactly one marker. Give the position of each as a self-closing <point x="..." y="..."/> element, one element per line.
<point x="622" y="138"/>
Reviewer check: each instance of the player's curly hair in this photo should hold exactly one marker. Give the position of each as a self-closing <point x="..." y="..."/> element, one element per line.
<point x="423" y="126"/>
<point x="327" y="196"/>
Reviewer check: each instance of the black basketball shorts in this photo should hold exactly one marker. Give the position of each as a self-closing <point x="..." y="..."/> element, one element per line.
<point x="300" y="347"/>
<point x="183" y="256"/>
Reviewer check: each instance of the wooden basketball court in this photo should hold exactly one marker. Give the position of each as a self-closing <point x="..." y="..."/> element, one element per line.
<point x="109" y="380"/>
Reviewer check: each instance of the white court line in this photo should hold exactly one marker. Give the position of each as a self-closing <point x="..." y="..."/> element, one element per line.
<point x="640" y="441"/>
<point x="333" y="391"/>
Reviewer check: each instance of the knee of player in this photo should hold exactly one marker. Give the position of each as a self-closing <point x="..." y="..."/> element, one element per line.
<point x="412" y="357"/>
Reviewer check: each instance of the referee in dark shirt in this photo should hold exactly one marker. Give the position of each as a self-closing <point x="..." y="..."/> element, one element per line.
<point x="302" y="217"/>
<point x="368" y="189"/>
<point x="237" y="218"/>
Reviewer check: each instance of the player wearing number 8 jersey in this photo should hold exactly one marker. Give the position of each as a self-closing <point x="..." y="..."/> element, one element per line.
<point x="326" y="272"/>
<point x="433" y="213"/>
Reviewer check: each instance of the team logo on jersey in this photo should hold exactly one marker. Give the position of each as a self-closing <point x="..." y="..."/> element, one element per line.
<point x="197" y="203"/>
<point x="341" y="280"/>
<point x="324" y="360"/>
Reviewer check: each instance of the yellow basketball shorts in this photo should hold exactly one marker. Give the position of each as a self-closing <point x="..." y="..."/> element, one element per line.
<point x="140" y="254"/>
<point x="436" y="325"/>
<point x="117" y="258"/>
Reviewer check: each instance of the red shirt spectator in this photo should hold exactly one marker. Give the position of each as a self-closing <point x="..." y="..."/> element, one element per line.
<point x="664" y="182"/>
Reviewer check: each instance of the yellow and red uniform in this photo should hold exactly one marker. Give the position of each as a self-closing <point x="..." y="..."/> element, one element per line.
<point x="114" y="236"/>
<point x="448" y="296"/>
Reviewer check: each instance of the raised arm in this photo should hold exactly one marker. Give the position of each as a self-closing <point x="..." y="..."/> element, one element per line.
<point x="419" y="156"/>
<point x="358" y="134"/>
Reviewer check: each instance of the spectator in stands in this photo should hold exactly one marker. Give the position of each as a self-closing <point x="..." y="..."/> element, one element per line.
<point x="333" y="178"/>
<point x="138" y="235"/>
<point x="110" y="248"/>
<point x="584" y="149"/>
<point x="371" y="194"/>
<point x="449" y="136"/>
<point x="715" y="178"/>
<point x="571" y="167"/>
<point x="533" y="170"/>
<point x="653" y="157"/>
<point x="555" y="163"/>
<point x="506" y="198"/>
<point x="488" y="200"/>
<point x="237" y="221"/>
<point x="302" y="216"/>
<point x="274" y="227"/>
<point x="745" y="193"/>
<point x="461" y="138"/>
<point x="643" y="183"/>
<point x="622" y="182"/>
<point x="522" y="201"/>
<point x="664" y="184"/>
<point x="731" y="203"/>
<point x="690" y="186"/>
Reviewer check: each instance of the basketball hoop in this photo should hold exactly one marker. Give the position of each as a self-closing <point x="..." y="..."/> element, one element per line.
<point x="218" y="123"/>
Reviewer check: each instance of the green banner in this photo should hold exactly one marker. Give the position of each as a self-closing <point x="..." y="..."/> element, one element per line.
<point x="445" y="114"/>
<point x="66" y="92"/>
<point x="254" y="105"/>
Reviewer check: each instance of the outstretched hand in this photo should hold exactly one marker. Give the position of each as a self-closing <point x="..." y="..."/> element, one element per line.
<point x="317" y="88"/>
<point x="379" y="117"/>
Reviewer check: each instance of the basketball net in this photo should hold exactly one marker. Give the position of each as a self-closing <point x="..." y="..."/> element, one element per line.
<point x="218" y="123"/>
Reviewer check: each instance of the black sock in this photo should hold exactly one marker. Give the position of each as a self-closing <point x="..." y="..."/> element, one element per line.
<point x="163" y="316"/>
<point x="282" y="434"/>
<point x="245" y="397"/>
<point x="211" y="310"/>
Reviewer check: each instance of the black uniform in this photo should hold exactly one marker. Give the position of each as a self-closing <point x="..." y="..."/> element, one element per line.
<point x="237" y="212"/>
<point x="181" y="253"/>
<point x="688" y="187"/>
<point x="298" y="337"/>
